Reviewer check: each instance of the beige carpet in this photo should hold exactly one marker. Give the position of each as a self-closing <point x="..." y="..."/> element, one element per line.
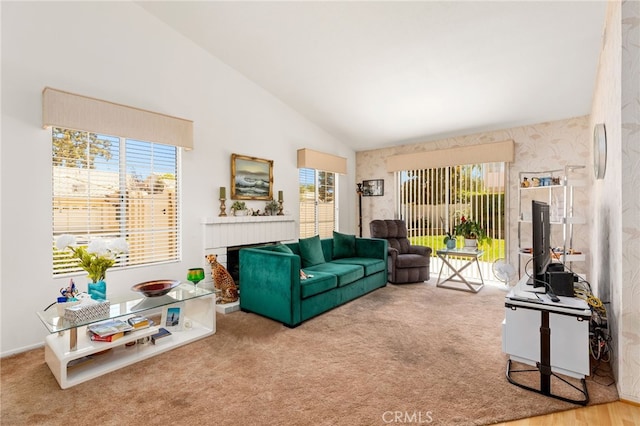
<point x="428" y="355"/>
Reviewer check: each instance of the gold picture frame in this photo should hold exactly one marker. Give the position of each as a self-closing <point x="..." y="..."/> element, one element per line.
<point x="251" y="178"/>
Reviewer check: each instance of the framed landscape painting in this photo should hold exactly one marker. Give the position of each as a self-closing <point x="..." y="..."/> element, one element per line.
<point x="251" y="178"/>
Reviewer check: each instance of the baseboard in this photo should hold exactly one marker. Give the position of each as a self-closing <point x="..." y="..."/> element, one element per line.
<point x="630" y="402"/>
<point x="22" y="349"/>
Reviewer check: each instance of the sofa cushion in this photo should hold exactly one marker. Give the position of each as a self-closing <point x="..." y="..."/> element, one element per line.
<point x="316" y="284"/>
<point x="346" y="273"/>
<point x="281" y="248"/>
<point x="311" y="251"/>
<point x="344" y="245"/>
<point x="371" y="266"/>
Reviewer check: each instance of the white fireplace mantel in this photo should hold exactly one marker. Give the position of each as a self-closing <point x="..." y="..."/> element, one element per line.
<point x="231" y="231"/>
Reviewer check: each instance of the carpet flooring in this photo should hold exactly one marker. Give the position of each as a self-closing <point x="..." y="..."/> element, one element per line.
<point x="411" y="354"/>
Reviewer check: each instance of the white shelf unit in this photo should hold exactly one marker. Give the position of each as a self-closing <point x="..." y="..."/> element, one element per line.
<point x="558" y="192"/>
<point x="199" y="320"/>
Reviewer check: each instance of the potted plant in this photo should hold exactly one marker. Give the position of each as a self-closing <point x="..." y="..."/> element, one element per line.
<point x="272" y="207"/>
<point x="449" y="239"/>
<point x="239" y="208"/>
<point x="472" y="232"/>
<point x="95" y="258"/>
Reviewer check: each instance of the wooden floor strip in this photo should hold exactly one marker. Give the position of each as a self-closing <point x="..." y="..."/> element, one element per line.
<point x="617" y="413"/>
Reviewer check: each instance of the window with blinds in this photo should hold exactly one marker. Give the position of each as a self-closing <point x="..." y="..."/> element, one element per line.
<point x="111" y="187"/>
<point x="432" y="201"/>
<point x="317" y="203"/>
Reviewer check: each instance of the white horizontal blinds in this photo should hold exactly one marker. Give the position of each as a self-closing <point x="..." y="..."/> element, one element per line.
<point x="86" y="196"/>
<point x="109" y="187"/>
<point x="151" y="219"/>
<point x="326" y="204"/>
<point x="317" y="203"/>
<point x="308" y="205"/>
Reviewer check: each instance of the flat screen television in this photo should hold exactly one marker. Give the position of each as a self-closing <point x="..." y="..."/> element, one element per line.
<point x="541" y="235"/>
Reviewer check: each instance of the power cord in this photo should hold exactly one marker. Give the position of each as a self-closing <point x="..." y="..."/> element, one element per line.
<point x="599" y="335"/>
<point x="546" y="285"/>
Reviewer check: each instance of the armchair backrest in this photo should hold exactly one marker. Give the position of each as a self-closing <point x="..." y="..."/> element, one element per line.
<point x="392" y="230"/>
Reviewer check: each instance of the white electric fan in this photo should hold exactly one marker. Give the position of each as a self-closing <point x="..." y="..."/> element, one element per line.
<point x="504" y="271"/>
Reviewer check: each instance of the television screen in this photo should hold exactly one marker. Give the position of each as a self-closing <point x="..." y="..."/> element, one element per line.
<point x="541" y="235"/>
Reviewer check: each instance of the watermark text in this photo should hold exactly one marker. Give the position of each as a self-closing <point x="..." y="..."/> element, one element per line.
<point x="415" y="417"/>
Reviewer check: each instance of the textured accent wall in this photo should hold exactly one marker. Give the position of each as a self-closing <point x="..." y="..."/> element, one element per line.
<point x="629" y="380"/>
<point x="544" y="146"/>
<point x="615" y="224"/>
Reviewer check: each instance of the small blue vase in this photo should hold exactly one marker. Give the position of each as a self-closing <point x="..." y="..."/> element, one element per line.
<point x="451" y="243"/>
<point x="98" y="291"/>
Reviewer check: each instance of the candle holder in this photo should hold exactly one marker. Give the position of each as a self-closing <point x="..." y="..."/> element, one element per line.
<point x="223" y="208"/>
<point x="280" y="208"/>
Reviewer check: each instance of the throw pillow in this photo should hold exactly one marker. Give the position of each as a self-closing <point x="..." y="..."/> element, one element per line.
<point x="311" y="251"/>
<point x="281" y="248"/>
<point x="344" y="245"/>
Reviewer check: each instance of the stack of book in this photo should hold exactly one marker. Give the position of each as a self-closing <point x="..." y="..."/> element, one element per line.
<point x="139" y="322"/>
<point x="108" y="331"/>
<point x="114" y="329"/>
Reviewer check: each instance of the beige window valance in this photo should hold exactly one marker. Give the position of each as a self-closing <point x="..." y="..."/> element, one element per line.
<point x="72" y="111"/>
<point x="474" y="154"/>
<point x="310" y="159"/>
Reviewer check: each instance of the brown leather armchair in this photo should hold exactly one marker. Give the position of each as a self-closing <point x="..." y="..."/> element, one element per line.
<point x="407" y="263"/>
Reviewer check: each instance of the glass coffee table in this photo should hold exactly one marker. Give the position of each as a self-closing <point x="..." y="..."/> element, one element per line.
<point x="74" y="358"/>
<point x="457" y="260"/>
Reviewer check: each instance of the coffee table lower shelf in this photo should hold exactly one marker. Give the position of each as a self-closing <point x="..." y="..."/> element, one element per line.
<point x="94" y="359"/>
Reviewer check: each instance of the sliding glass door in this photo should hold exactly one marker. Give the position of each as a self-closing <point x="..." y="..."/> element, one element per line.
<point x="433" y="201"/>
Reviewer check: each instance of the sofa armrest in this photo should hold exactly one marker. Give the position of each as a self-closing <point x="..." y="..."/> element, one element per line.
<point x="393" y="254"/>
<point x="270" y="284"/>
<point x="421" y="250"/>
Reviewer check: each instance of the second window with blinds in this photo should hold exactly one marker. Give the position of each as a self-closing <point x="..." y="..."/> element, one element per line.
<point x="318" y="203"/>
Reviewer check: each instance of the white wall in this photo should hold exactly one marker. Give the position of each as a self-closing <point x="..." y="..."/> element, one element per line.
<point x="117" y="52"/>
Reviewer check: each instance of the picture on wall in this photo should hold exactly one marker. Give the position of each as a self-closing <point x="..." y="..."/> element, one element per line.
<point x="251" y="178"/>
<point x="373" y="188"/>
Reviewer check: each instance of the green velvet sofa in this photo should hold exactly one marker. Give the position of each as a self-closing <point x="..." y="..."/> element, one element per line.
<point x="339" y="269"/>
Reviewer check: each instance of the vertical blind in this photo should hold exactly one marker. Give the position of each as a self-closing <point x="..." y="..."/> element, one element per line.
<point x="432" y="201"/>
<point x="108" y="187"/>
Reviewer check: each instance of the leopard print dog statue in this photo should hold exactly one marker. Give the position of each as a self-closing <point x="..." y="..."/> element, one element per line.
<point x="222" y="281"/>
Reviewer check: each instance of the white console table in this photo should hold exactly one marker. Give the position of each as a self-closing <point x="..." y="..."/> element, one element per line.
<point x="66" y="346"/>
<point x="551" y="336"/>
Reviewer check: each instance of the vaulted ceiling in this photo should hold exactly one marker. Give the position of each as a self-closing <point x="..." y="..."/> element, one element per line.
<point x="375" y="74"/>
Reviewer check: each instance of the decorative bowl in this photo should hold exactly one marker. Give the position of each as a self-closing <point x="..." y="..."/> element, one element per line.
<point x="155" y="288"/>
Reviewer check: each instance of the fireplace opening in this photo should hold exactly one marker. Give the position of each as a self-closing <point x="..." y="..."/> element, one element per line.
<point x="233" y="259"/>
